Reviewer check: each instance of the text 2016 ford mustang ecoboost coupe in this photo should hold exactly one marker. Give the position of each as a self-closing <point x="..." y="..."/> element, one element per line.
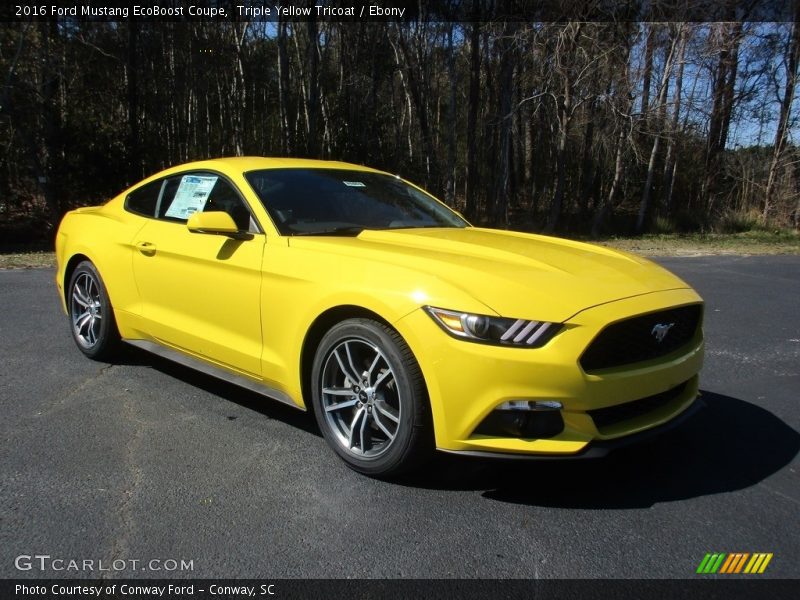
<point x="353" y="293"/>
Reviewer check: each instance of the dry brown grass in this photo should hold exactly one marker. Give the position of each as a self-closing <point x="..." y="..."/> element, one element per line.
<point x="28" y="260"/>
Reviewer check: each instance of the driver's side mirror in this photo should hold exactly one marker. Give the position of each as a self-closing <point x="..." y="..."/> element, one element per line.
<point x="215" y="222"/>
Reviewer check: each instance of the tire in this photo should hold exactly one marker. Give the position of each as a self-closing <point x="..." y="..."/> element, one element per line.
<point x="91" y="316"/>
<point x="379" y="425"/>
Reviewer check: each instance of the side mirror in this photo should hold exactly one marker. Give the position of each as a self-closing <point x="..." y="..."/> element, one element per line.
<point x="215" y="222"/>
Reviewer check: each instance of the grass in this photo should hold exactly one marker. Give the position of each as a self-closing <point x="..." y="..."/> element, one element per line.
<point x="743" y="244"/>
<point x="28" y="260"/>
<point x="705" y="244"/>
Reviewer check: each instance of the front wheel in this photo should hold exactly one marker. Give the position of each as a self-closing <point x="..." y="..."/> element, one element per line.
<point x="91" y="315"/>
<point x="370" y="399"/>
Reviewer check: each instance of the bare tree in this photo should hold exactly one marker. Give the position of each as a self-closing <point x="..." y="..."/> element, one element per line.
<point x="566" y="122"/>
<point x="621" y="108"/>
<point x="670" y="164"/>
<point x="312" y="58"/>
<point x="284" y="104"/>
<point x="661" y="103"/>
<point x="566" y="67"/>
<point x="725" y="40"/>
<point x="450" y="175"/>
<point x="507" y="56"/>
<point x="472" y="117"/>
<point x="791" y="56"/>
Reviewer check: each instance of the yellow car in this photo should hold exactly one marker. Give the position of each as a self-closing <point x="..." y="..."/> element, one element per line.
<point x="352" y="293"/>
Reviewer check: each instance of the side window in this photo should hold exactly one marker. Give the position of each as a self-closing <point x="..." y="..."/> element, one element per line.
<point x="187" y="194"/>
<point x="144" y="200"/>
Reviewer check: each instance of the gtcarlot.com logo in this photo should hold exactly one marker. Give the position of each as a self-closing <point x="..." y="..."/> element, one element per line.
<point x="45" y="562"/>
<point x="734" y="563"/>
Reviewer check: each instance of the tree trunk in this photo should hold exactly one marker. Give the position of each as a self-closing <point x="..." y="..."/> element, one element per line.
<point x="648" y="70"/>
<point x="729" y="36"/>
<point x="730" y="84"/>
<point x="48" y="144"/>
<point x="472" y="120"/>
<point x="239" y="96"/>
<point x="286" y="115"/>
<point x="312" y="142"/>
<point x="619" y="168"/>
<point x="408" y="105"/>
<point x="506" y="81"/>
<point x="564" y="121"/>
<point x="134" y="159"/>
<point x="586" y="163"/>
<point x="669" y="161"/>
<point x="565" y="110"/>
<point x="792" y="55"/>
<point x="651" y="165"/>
<point x="624" y="130"/>
<point x="415" y="87"/>
<point x="450" y="183"/>
<point x="301" y="78"/>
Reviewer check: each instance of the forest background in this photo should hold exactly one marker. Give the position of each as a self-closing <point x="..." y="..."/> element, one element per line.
<point x="586" y="128"/>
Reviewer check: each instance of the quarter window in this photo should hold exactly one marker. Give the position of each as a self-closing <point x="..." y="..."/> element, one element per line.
<point x="144" y="200"/>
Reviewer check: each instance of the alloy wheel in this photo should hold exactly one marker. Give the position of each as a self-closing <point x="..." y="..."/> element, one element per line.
<point x="361" y="398"/>
<point x="86" y="310"/>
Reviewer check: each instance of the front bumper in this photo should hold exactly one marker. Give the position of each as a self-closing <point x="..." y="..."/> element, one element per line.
<point x="467" y="381"/>
<point x="599" y="448"/>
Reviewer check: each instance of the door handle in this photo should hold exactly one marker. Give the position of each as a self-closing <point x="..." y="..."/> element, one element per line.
<point x="146" y="248"/>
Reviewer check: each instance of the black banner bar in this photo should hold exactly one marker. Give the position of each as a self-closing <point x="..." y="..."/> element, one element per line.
<point x="711" y="588"/>
<point x="402" y="10"/>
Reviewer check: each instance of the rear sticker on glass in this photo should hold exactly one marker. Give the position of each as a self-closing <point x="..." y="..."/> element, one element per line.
<point x="354" y="184"/>
<point x="191" y="196"/>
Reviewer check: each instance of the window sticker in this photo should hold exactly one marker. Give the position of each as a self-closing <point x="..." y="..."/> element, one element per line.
<point x="191" y="196"/>
<point x="354" y="183"/>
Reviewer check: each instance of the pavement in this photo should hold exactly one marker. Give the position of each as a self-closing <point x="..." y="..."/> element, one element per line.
<point x="147" y="461"/>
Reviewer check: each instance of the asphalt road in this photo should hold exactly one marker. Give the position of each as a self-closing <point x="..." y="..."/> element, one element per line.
<point x="148" y="460"/>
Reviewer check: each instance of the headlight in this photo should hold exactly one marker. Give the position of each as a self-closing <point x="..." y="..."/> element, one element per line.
<point x="494" y="330"/>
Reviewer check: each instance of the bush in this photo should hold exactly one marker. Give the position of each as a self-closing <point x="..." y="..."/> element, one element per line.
<point x="689" y="221"/>
<point x="739" y="222"/>
<point x="663" y="225"/>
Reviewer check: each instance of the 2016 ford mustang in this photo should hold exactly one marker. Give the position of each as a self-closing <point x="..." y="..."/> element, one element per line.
<point x="350" y="292"/>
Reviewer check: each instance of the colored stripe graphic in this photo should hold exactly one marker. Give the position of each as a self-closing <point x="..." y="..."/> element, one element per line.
<point x="758" y="563"/>
<point x="740" y="564"/>
<point x="712" y="559"/>
<point x="734" y="563"/>
<point x="765" y="563"/>
<point x="716" y="565"/>
<point x="749" y="566"/>
<point x="703" y="563"/>
<point x="729" y="563"/>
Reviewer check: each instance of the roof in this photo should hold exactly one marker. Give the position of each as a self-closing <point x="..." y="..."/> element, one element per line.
<point x="250" y="163"/>
<point x="242" y="164"/>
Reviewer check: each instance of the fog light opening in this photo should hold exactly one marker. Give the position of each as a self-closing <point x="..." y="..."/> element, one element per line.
<point x="524" y="419"/>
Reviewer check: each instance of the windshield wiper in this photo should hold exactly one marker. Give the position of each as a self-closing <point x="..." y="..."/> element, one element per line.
<point x="343" y="231"/>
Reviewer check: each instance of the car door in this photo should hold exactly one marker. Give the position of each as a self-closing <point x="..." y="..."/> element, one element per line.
<point x="200" y="292"/>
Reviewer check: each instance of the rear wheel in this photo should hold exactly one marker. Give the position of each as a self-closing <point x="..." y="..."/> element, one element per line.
<point x="369" y="398"/>
<point x="91" y="315"/>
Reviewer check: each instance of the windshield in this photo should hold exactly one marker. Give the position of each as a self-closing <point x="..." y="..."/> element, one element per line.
<point x="344" y="202"/>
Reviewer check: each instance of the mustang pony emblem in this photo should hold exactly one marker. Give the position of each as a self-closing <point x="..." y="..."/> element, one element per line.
<point x="660" y="331"/>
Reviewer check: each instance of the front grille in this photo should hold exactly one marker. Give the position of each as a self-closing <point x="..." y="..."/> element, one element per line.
<point x="605" y="417"/>
<point x="635" y="340"/>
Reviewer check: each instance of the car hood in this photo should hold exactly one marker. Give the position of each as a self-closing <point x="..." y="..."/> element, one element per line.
<point x="515" y="274"/>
